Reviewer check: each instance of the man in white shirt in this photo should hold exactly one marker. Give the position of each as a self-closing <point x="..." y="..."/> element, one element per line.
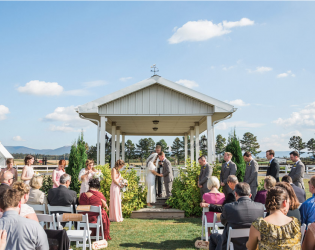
<point x="297" y="170"/>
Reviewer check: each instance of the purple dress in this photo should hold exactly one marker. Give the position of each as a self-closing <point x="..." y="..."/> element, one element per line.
<point x="261" y="196"/>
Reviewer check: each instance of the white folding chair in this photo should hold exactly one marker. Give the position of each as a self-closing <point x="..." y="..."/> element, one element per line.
<point x="38" y="208"/>
<point x="205" y="225"/>
<point x="97" y="225"/>
<point x="265" y="214"/>
<point x="55" y="209"/>
<point x="46" y="218"/>
<point x="77" y="235"/>
<point x="303" y="228"/>
<point x="236" y="233"/>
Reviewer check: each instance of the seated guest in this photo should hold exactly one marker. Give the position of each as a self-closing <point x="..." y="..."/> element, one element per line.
<point x="299" y="192"/>
<point x="269" y="183"/>
<point x="309" y="239"/>
<point x="307" y="208"/>
<point x="37" y="197"/>
<point x="232" y="182"/>
<point x="214" y="196"/>
<point x="276" y="231"/>
<point x="22" y="233"/>
<point x="62" y="195"/>
<point x="11" y="169"/>
<point x="7" y="180"/>
<point x="26" y="211"/>
<point x="94" y="197"/>
<point x="238" y="214"/>
<point x="294" y="203"/>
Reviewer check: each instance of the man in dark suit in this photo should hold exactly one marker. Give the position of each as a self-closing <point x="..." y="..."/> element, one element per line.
<point x="251" y="173"/>
<point x="273" y="165"/>
<point x="238" y="214"/>
<point x="299" y="192"/>
<point x="297" y="170"/>
<point x="205" y="173"/>
<point x="8" y="179"/>
<point x="62" y="195"/>
<point x="228" y="168"/>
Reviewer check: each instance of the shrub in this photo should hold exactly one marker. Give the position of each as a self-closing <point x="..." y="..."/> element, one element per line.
<point x="261" y="185"/>
<point x="47" y="184"/>
<point x="135" y="196"/>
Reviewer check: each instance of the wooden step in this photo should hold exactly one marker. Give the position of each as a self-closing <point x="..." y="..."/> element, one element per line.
<point x="158" y="213"/>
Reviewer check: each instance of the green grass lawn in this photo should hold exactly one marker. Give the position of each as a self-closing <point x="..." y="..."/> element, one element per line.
<point x="154" y="234"/>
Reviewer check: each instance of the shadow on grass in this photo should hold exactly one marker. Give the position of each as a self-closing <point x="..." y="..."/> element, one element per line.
<point x="168" y="244"/>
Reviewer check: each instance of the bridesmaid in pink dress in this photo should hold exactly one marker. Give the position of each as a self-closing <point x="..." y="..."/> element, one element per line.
<point x="115" y="212"/>
<point x="58" y="172"/>
<point x="214" y="196"/>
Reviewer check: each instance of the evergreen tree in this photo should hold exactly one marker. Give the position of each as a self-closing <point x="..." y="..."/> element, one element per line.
<point x="108" y="149"/>
<point x="144" y="148"/>
<point x="178" y="149"/>
<point x="130" y="150"/>
<point x="234" y="148"/>
<point x="297" y="144"/>
<point x="164" y="146"/>
<point x="92" y="153"/>
<point x="311" y="146"/>
<point x="250" y="144"/>
<point x="220" y="145"/>
<point x="203" y="145"/>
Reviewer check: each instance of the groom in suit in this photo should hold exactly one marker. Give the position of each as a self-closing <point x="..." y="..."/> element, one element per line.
<point x="273" y="165"/>
<point x="167" y="174"/>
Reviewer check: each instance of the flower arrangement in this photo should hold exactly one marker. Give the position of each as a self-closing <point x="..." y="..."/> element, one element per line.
<point x="98" y="175"/>
<point x="124" y="183"/>
<point x="36" y="174"/>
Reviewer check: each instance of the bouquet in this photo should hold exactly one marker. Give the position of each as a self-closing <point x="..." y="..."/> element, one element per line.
<point x="36" y="174"/>
<point x="124" y="183"/>
<point x="98" y="175"/>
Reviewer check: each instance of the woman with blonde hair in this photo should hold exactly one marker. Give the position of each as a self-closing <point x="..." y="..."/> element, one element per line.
<point x="9" y="168"/>
<point x="86" y="174"/>
<point x="115" y="212"/>
<point x="58" y="172"/>
<point x="269" y="182"/>
<point x="37" y="197"/>
<point x="150" y="181"/>
<point x="26" y="211"/>
<point x="214" y="196"/>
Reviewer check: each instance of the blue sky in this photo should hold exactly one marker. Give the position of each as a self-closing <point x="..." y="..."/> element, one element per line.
<point x="257" y="55"/>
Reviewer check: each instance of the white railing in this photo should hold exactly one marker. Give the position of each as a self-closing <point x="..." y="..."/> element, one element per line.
<point x="310" y="169"/>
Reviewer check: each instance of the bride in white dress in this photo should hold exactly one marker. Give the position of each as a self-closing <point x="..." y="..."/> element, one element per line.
<point x="150" y="181"/>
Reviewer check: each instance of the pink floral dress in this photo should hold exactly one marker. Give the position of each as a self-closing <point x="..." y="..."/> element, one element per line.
<point x="58" y="174"/>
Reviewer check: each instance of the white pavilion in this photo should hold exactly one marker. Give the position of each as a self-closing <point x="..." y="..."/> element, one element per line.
<point x="4" y="155"/>
<point x="155" y="107"/>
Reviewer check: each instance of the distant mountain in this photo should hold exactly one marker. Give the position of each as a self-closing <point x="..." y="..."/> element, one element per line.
<point x="26" y="150"/>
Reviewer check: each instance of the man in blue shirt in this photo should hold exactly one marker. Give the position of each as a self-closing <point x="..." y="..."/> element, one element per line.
<point x="307" y="208"/>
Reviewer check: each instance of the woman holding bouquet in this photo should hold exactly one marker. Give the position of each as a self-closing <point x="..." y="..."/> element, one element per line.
<point x="150" y="181"/>
<point x="115" y="212"/>
<point x="86" y="174"/>
<point x="58" y="172"/>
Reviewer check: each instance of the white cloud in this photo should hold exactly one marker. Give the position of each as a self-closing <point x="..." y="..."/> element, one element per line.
<point x="94" y="84"/>
<point x="288" y="73"/>
<point x="237" y="124"/>
<point x="17" y="138"/>
<point x="302" y="118"/>
<point x="228" y="68"/>
<point x="124" y="79"/>
<point x="37" y="87"/>
<point x="260" y="70"/>
<point x="64" y="128"/>
<point x="203" y="30"/>
<point x="278" y="142"/>
<point x="239" y="102"/>
<point x="188" y="83"/>
<point x="77" y="92"/>
<point x="67" y="115"/>
<point x="3" y="111"/>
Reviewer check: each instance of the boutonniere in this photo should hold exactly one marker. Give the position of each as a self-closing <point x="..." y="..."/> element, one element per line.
<point x="294" y="165"/>
<point x="204" y="167"/>
<point x="268" y="164"/>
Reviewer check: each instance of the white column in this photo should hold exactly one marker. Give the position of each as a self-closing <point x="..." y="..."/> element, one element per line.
<point x="213" y="144"/>
<point x="118" y="143"/>
<point x="186" y="147"/>
<point x="191" y="145"/>
<point x="101" y="147"/>
<point x="210" y="139"/>
<point x="197" y="139"/>
<point x="113" y="145"/>
<point x="123" y="146"/>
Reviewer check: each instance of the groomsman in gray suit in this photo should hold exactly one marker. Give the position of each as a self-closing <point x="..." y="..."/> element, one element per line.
<point x="205" y="172"/>
<point x="251" y="173"/>
<point x="228" y="168"/>
<point x="167" y="175"/>
<point x="297" y="171"/>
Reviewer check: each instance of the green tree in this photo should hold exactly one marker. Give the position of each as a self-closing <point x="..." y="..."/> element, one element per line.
<point x="311" y="146"/>
<point x="130" y="150"/>
<point x="296" y="143"/>
<point x="203" y="145"/>
<point x="108" y="149"/>
<point x="250" y="144"/>
<point x="164" y="146"/>
<point x="92" y="153"/>
<point x="178" y="149"/>
<point x="144" y="148"/>
<point x="220" y="145"/>
<point x="234" y="148"/>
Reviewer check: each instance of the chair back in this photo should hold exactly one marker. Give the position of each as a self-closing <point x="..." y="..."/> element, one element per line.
<point x="66" y="209"/>
<point x="303" y="228"/>
<point x="38" y="207"/>
<point x="48" y="219"/>
<point x="236" y="233"/>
